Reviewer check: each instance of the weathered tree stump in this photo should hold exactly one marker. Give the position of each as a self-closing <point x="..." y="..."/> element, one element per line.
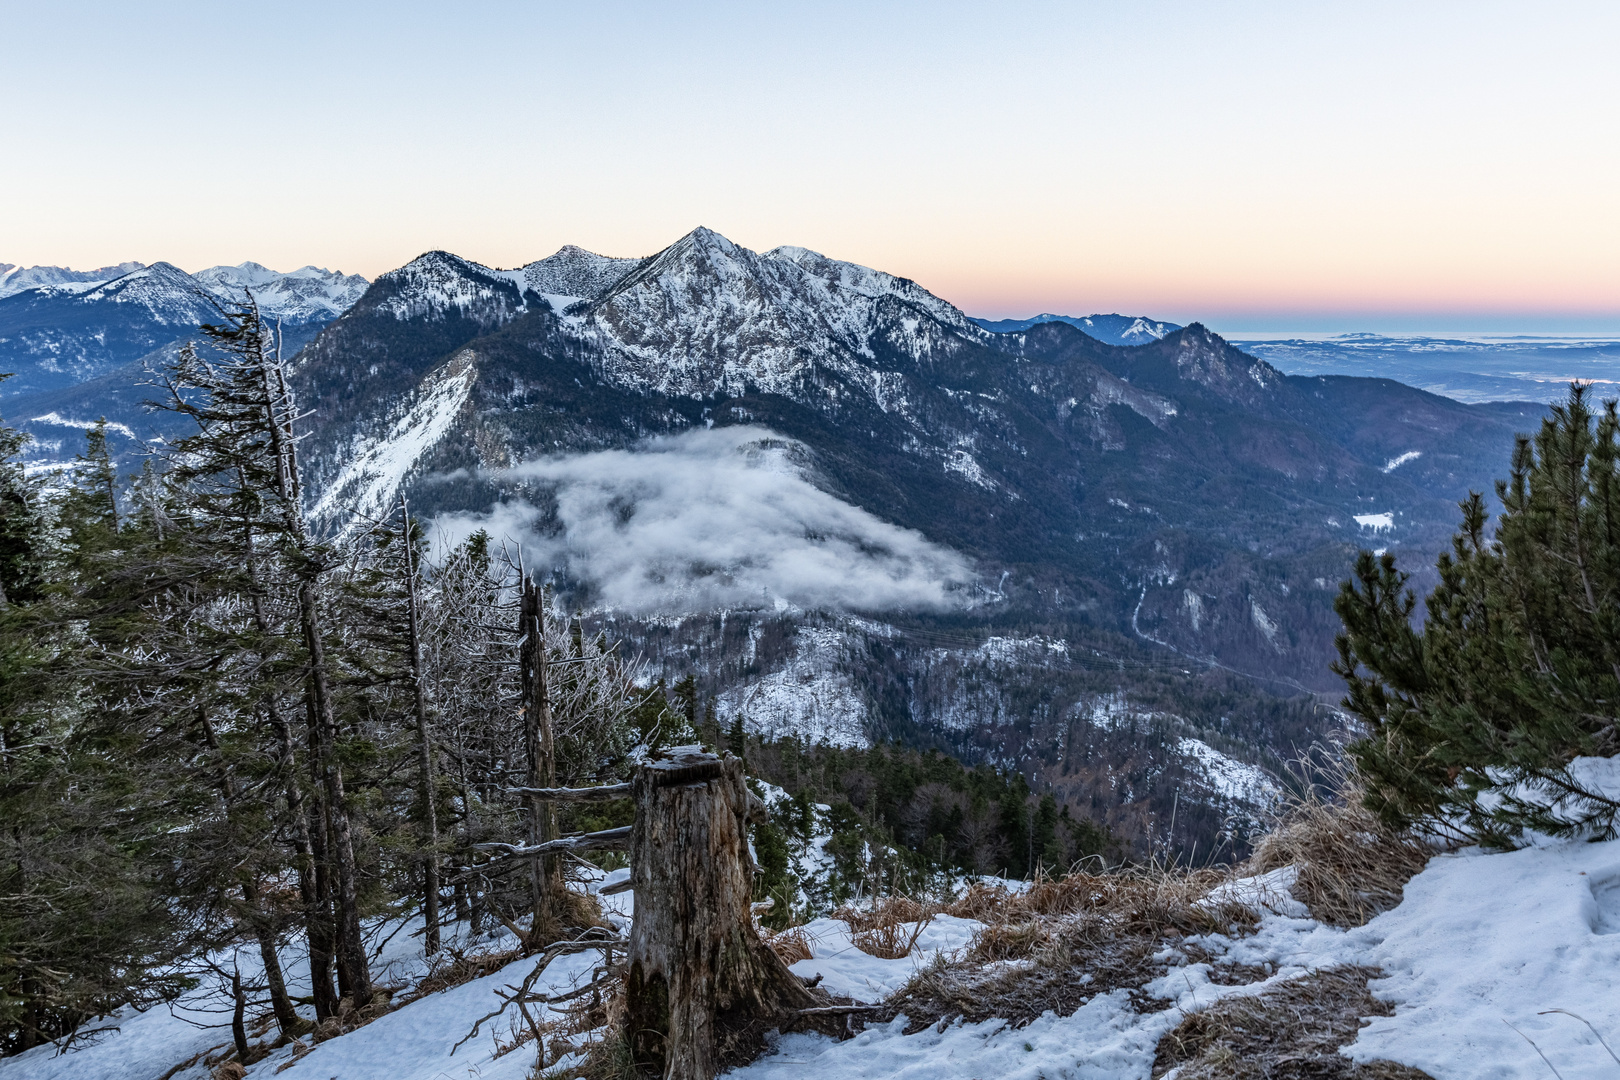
<point x="701" y="982"/>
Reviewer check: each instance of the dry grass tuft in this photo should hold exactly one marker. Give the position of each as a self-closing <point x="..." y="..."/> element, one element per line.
<point x="1293" y="1032"/>
<point x="888" y="928"/>
<point x="790" y="945"/>
<point x="1009" y="941"/>
<point x="1350" y="867"/>
<point x="608" y="1056"/>
<point x="1060" y="942"/>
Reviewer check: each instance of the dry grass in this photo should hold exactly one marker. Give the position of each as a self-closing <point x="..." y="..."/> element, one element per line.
<point x="1292" y="1033"/>
<point x="1060" y="942"/>
<point x="889" y="926"/>
<point x="790" y="945"/>
<point x="1145" y="898"/>
<point x="1350" y="867"/>
<point x="455" y="967"/>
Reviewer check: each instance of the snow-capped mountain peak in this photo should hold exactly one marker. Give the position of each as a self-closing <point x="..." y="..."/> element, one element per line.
<point x="575" y="272"/>
<point x="16" y="279"/>
<point x="430" y="285"/>
<point x="170" y="296"/>
<point x="707" y="315"/>
<point x="309" y="294"/>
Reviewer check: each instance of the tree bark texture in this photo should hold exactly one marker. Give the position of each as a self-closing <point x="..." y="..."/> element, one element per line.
<point x="424" y="748"/>
<point x="546" y="875"/>
<point x="701" y="982"/>
<point x="351" y="946"/>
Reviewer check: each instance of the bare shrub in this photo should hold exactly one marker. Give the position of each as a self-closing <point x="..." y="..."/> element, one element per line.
<point x="455" y="967"/>
<point x="890" y="941"/>
<point x="1294" y="1031"/>
<point x="886" y="911"/>
<point x="888" y="928"/>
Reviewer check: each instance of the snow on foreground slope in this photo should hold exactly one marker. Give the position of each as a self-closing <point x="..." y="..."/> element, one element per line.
<point x="1479" y="939"/>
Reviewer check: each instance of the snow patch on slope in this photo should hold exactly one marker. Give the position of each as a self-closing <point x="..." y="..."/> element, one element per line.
<point x="1396" y="462"/>
<point x="962" y="464"/>
<point x="1384" y="522"/>
<point x="1233" y="779"/>
<point x="82" y="425"/>
<point x="376" y="468"/>
<point x="812" y="696"/>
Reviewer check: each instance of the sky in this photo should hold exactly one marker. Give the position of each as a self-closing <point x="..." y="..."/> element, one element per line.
<point x="1263" y="165"/>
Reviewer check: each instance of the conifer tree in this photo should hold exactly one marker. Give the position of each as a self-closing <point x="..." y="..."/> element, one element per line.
<point x="83" y="927"/>
<point x="1475" y="720"/>
<point x="237" y="477"/>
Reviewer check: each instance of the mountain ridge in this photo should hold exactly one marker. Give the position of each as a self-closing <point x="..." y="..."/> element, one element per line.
<point x="69" y="327"/>
<point x="1114" y="329"/>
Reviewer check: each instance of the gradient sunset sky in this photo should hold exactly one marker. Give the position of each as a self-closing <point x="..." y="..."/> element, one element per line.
<point x="1253" y="165"/>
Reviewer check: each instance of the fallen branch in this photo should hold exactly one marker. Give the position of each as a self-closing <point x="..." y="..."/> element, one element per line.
<point x="603" y="793"/>
<point x="606" y="840"/>
<point x="832" y="1010"/>
<point x="561" y="948"/>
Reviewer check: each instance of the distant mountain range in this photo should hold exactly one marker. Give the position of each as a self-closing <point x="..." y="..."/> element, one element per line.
<point x="857" y="513"/>
<point x="1494" y="368"/>
<point x="1111" y="329"/>
<point x="62" y="327"/>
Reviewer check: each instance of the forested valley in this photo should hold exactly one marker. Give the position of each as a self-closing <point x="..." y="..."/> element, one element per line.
<point x="217" y="728"/>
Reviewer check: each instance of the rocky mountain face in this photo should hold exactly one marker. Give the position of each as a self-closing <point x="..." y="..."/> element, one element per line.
<point x="1141" y="544"/>
<point x="60" y="328"/>
<point x="1162" y="526"/>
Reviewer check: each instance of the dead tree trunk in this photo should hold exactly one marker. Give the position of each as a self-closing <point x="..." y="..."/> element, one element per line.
<point x="546" y="873"/>
<point x="424" y="746"/>
<point x="702" y="985"/>
<point x="351" y="946"/>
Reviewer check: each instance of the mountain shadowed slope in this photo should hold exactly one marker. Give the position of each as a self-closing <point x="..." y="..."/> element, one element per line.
<point x="58" y="335"/>
<point x="1156" y="532"/>
<point x="1180" y="492"/>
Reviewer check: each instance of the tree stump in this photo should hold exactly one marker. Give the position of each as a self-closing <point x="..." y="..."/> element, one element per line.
<point x="701" y="982"/>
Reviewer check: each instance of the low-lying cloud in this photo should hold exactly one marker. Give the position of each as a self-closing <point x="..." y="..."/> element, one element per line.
<point x="716" y="519"/>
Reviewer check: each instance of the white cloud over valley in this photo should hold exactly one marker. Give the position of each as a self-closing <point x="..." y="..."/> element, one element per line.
<point x="713" y="519"/>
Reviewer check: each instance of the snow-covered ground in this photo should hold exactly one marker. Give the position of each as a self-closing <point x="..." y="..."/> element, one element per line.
<point x="1478" y="959"/>
<point x="1481" y="941"/>
<point x="811" y="696"/>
